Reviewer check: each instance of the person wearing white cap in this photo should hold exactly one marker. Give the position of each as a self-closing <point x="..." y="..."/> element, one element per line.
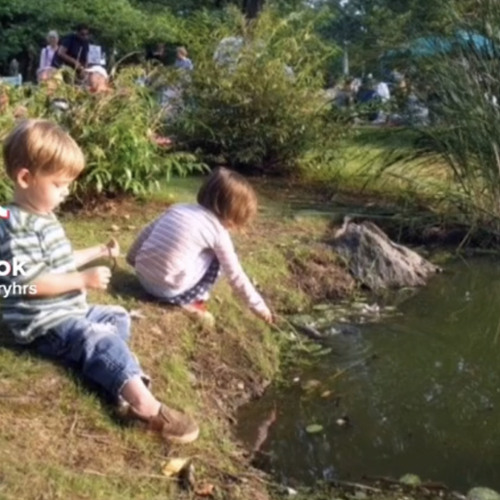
<point x="46" y="56"/>
<point x="97" y="79"/>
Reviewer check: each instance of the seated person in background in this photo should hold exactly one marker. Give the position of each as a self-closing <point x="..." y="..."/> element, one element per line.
<point x="46" y="74"/>
<point x="51" y="85"/>
<point x="97" y="81"/>
<point x="182" y="61"/>
<point x="47" y="55"/>
<point x="73" y="50"/>
<point x="366" y="92"/>
<point x="382" y="91"/>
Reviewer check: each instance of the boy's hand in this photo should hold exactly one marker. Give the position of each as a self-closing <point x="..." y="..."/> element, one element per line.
<point x="113" y="248"/>
<point x="96" y="277"/>
<point x="267" y="316"/>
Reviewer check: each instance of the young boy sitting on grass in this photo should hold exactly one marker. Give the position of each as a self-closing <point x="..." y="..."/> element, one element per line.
<point x="44" y="295"/>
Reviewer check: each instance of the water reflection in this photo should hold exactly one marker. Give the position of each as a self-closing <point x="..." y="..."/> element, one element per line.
<point x="421" y="392"/>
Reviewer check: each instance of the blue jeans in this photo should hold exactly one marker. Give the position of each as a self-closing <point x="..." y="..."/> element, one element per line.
<point x="96" y="346"/>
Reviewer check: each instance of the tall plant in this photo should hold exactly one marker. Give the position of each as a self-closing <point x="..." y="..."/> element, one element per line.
<point x="466" y="107"/>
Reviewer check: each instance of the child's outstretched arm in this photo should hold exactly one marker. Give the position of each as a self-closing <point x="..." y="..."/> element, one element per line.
<point x="110" y="249"/>
<point x="239" y="281"/>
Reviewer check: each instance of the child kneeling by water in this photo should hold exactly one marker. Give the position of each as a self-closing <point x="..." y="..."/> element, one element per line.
<point x="44" y="303"/>
<point x="178" y="256"/>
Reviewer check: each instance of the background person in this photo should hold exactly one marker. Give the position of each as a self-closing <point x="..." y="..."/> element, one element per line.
<point x="182" y="61"/>
<point x="47" y="55"/>
<point x="74" y="49"/>
<point x="97" y="80"/>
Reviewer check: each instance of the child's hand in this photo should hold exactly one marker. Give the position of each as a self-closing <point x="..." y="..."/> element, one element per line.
<point x="96" y="277"/>
<point x="113" y="248"/>
<point x="267" y="316"/>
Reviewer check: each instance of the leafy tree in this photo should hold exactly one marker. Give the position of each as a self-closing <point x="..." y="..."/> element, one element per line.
<point x="116" y="24"/>
<point x="371" y="27"/>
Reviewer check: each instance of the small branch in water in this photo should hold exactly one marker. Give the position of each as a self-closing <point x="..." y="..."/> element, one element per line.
<point x="338" y="482"/>
<point x="309" y="331"/>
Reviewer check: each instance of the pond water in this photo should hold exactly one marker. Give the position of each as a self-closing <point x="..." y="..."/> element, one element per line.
<point x="420" y="393"/>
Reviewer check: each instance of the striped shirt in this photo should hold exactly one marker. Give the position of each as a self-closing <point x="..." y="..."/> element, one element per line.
<point x="175" y="251"/>
<point x="39" y="243"/>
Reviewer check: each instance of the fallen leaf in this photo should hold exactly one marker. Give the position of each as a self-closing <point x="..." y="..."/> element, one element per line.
<point x="174" y="466"/>
<point x="136" y="314"/>
<point x="314" y="428"/>
<point x="311" y="384"/>
<point x="205" y="490"/>
<point x="115" y="228"/>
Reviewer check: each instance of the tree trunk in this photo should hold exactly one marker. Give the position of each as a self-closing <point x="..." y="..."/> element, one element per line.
<point x="376" y="261"/>
<point x="251" y="8"/>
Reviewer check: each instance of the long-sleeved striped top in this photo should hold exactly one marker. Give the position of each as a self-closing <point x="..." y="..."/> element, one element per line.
<point x="175" y="251"/>
<point x="39" y="245"/>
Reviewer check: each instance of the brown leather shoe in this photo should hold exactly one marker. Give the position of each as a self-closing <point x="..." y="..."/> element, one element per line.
<point x="174" y="426"/>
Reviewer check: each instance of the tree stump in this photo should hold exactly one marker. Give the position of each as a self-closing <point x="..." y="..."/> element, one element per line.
<point x="376" y="261"/>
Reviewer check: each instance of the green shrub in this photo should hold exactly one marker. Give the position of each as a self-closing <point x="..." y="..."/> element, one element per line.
<point x="263" y="106"/>
<point x="114" y="130"/>
<point x="467" y="118"/>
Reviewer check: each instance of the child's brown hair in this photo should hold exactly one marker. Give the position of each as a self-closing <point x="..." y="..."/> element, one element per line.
<point x="229" y="196"/>
<point x="43" y="148"/>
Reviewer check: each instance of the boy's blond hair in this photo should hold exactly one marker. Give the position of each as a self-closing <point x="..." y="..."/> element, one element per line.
<point x="229" y="196"/>
<point x="43" y="148"/>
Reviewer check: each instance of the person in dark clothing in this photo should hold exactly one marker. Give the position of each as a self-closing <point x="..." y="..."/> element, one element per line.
<point x="158" y="53"/>
<point x="73" y="49"/>
<point x="366" y="92"/>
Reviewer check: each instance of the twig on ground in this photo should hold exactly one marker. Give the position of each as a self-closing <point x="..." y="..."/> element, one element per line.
<point x="73" y="424"/>
<point x="137" y="476"/>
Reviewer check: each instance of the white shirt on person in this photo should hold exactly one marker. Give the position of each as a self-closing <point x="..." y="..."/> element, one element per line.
<point x="46" y="56"/>
<point x="383" y="91"/>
